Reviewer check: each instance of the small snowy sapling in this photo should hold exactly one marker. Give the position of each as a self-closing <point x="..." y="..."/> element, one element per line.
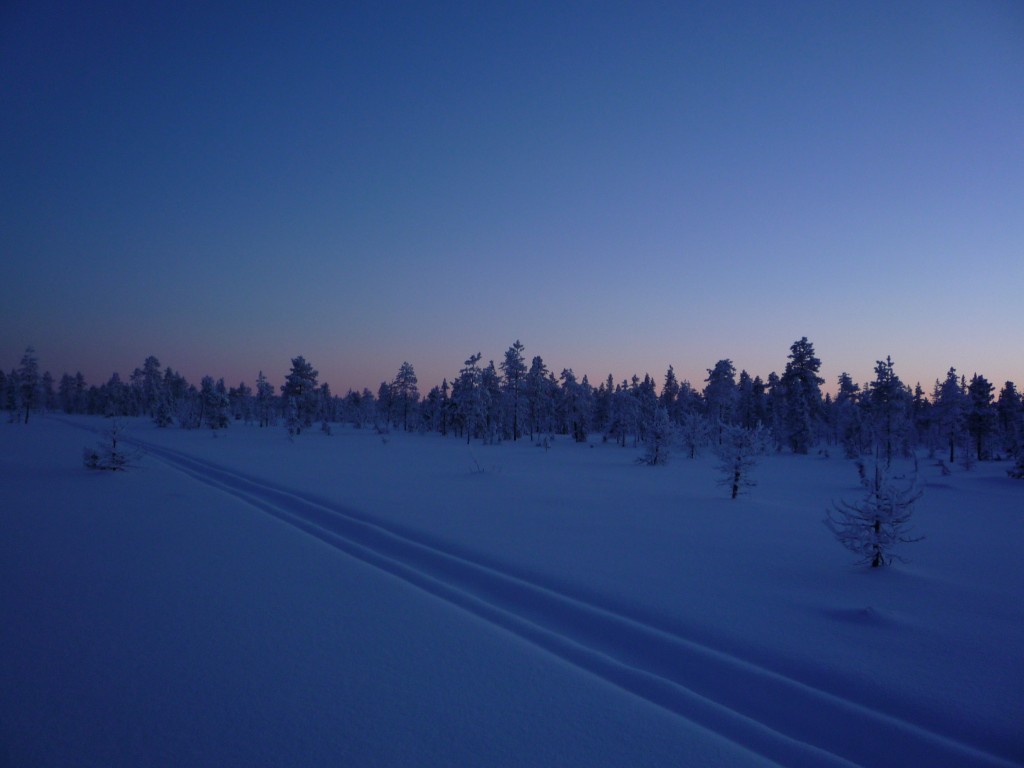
<point x="873" y="526"/>
<point x="110" y="453"/>
<point x="738" y="453"/>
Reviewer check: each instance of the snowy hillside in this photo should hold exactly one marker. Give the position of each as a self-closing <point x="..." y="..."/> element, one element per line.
<point x="413" y="600"/>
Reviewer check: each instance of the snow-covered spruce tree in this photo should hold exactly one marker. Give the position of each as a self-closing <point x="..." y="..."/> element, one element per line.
<point x="110" y="453"/>
<point x="738" y="452"/>
<point x="873" y="526"/>
<point x="658" y="438"/>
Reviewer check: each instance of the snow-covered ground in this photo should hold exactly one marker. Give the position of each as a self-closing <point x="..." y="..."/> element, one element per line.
<point x="411" y="600"/>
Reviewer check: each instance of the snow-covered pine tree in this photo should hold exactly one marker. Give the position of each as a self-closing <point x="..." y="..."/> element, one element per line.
<point x="603" y="406"/>
<point x="738" y="451"/>
<point x="658" y="438"/>
<point x="643" y="391"/>
<point x="264" y="401"/>
<point x="48" y="397"/>
<point x="889" y="403"/>
<point x="802" y="387"/>
<point x="300" y="384"/>
<point x="175" y="388"/>
<point x="214" y="403"/>
<point x="720" y="394"/>
<point x="28" y="382"/>
<point x="513" y="369"/>
<point x="623" y="414"/>
<point x="746" y="415"/>
<point x="65" y="392"/>
<point x="326" y="407"/>
<point x="241" y="400"/>
<point x="163" y="416"/>
<point x="444" y="407"/>
<point x="1009" y="417"/>
<point x="776" y="406"/>
<point x="951" y="407"/>
<point x="405" y="394"/>
<point x="494" y="411"/>
<point x="539" y="398"/>
<point x="189" y="409"/>
<point x="385" y="407"/>
<point x="847" y="419"/>
<point x="12" y="396"/>
<point x="875" y="525"/>
<point x="669" y="397"/>
<point x="468" y="396"/>
<point x="430" y="411"/>
<point x="921" y="419"/>
<point x="694" y="433"/>
<point x="981" y="414"/>
<point x="292" y="420"/>
<point x="576" y="406"/>
<point x="149" y="380"/>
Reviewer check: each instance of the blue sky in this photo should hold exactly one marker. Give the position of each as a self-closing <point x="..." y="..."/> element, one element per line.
<point x="620" y="186"/>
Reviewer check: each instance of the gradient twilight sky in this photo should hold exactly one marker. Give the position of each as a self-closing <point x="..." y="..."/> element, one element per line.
<point x="622" y="186"/>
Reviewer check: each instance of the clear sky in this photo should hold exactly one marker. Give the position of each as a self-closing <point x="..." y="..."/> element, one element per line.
<point x="621" y="186"/>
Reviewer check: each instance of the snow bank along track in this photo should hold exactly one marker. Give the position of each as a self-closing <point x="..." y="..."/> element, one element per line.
<point x="779" y="718"/>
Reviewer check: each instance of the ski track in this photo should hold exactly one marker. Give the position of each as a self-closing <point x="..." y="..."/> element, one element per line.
<point x="781" y="719"/>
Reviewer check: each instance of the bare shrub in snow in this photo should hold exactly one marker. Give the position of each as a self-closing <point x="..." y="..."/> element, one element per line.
<point x="873" y="526"/>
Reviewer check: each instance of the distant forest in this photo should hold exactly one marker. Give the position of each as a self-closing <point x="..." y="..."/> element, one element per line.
<point x="964" y="420"/>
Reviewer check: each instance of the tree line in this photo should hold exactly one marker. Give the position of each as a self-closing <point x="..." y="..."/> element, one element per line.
<point x="959" y="419"/>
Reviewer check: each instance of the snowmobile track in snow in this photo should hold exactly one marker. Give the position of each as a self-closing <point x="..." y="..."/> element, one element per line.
<point x="774" y="716"/>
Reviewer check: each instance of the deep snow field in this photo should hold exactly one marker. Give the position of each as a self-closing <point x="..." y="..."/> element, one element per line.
<point x="408" y="600"/>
